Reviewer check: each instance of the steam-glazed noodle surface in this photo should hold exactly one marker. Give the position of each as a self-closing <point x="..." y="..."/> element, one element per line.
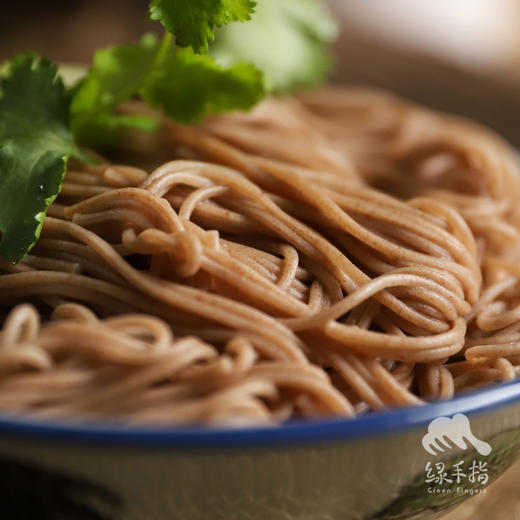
<point x="325" y="255"/>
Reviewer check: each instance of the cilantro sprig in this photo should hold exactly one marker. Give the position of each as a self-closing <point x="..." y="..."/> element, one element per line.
<point x="42" y="123"/>
<point x="184" y="85"/>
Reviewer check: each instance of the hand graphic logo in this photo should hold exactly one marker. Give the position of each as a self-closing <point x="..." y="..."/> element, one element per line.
<point x="455" y="429"/>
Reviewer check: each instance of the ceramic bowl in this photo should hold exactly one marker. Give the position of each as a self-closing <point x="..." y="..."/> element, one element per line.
<point x="386" y="465"/>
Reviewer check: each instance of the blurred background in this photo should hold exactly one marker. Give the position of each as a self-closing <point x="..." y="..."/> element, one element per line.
<point x="457" y="55"/>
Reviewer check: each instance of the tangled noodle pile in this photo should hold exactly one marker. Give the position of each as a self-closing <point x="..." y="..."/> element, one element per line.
<point x="325" y="255"/>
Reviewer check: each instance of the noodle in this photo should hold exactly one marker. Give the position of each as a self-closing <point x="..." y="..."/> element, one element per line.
<point x="325" y="255"/>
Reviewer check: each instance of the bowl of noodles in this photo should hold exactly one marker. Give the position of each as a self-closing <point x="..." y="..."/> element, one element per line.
<point x="265" y="316"/>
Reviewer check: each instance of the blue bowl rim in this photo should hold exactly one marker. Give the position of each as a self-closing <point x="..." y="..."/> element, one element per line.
<point x="308" y="431"/>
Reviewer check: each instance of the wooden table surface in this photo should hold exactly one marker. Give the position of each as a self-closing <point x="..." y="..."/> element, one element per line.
<point x="502" y="501"/>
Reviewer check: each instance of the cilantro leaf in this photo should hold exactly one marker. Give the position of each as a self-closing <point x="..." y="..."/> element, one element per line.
<point x="193" y="21"/>
<point x="188" y="87"/>
<point x="117" y="75"/>
<point x="35" y="142"/>
<point x="286" y="39"/>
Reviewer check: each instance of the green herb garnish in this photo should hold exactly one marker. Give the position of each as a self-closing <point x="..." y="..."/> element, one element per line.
<point x="41" y="121"/>
<point x="117" y="74"/>
<point x="35" y="143"/>
<point x="193" y="21"/>
<point x="188" y="87"/>
<point x="288" y="40"/>
<point x="184" y="85"/>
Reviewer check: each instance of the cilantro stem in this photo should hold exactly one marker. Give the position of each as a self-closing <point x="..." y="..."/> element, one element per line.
<point x="163" y="50"/>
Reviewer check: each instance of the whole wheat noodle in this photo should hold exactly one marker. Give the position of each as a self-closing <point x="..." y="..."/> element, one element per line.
<point x="322" y="256"/>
